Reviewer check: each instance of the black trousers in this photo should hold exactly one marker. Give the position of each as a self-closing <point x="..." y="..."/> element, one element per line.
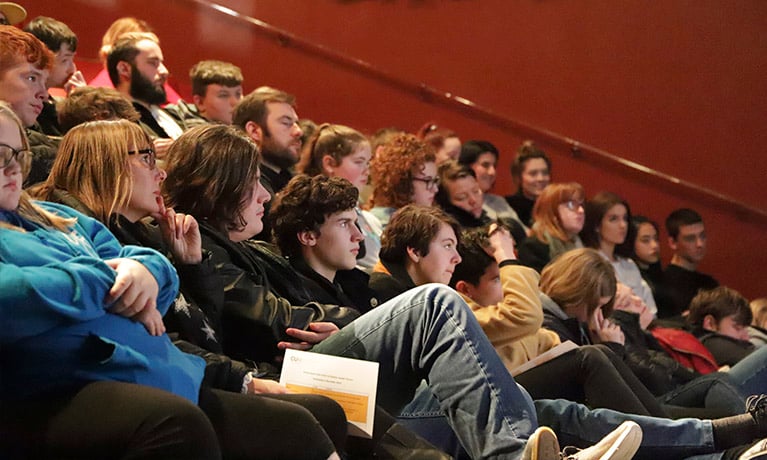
<point x="127" y="421"/>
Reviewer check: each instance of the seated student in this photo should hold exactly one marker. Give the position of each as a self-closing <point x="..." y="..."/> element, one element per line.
<point x="92" y="104"/>
<point x="645" y="251"/>
<point x="531" y="171"/>
<point x="719" y="318"/>
<point x="84" y="329"/>
<point x="403" y="171"/>
<point x="757" y="332"/>
<point x="682" y="280"/>
<point x="446" y="144"/>
<point x="559" y="216"/>
<point x="482" y="158"/>
<point x="120" y="187"/>
<point x="24" y="65"/>
<point x="340" y="151"/>
<point x="62" y="42"/>
<point x="314" y="225"/>
<point x="460" y="196"/>
<point x="216" y="90"/>
<point x="220" y="186"/>
<point x="607" y="229"/>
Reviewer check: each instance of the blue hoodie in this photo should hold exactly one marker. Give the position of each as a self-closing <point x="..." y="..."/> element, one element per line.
<point x="55" y="330"/>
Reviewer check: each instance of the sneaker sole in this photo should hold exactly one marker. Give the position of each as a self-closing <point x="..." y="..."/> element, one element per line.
<point x="546" y="445"/>
<point x="626" y="445"/>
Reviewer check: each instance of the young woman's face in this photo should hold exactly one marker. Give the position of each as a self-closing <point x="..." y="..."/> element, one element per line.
<point x="354" y="167"/>
<point x="424" y="185"/>
<point x="438" y="265"/>
<point x="145" y="197"/>
<point x="252" y="214"/>
<point x="614" y="225"/>
<point x="466" y="194"/>
<point x="571" y="216"/>
<point x="535" y="177"/>
<point x="646" y="245"/>
<point x="450" y="150"/>
<point x="485" y="170"/>
<point x="10" y="176"/>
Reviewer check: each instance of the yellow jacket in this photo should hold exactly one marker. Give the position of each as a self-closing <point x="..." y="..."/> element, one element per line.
<point x="514" y="325"/>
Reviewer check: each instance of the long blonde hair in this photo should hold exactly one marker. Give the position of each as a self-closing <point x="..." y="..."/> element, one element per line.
<point x="92" y="165"/>
<point x="26" y="208"/>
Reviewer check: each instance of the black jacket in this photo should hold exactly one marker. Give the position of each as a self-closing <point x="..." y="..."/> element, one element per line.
<point x="391" y="284"/>
<point x="262" y="298"/>
<point x="350" y="287"/>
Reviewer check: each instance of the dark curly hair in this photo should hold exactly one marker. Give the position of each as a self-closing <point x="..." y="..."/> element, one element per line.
<point x="304" y="204"/>
<point x="393" y="168"/>
<point x="211" y="173"/>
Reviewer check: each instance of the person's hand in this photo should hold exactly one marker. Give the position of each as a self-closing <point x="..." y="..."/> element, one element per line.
<point x="134" y="288"/>
<point x="502" y="243"/>
<point x="262" y="386"/>
<point x="75" y="81"/>
<point x="317" y="333"/>
<point x="604" y="330"/>
<point x="161" y="146"/>
<point x="181" y="233"/>
<point x="151" y="319"/>
<point x="623" y="295"/>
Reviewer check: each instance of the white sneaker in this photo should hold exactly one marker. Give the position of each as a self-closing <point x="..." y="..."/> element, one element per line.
<point x="542" y="445"/>
<point x="756" y="452"/>
<point x="621" y="444"/>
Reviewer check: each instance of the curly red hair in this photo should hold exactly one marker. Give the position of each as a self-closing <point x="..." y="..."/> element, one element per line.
<point x="393" y="168"/>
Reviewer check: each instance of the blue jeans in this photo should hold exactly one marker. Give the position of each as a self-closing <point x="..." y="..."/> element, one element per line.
<point x="750" y="373"/>
<point x="577" y="425"/>
<point x="429" y="333"/>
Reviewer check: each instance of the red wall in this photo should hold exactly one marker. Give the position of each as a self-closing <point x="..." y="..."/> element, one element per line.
<point x="678" y="86"/>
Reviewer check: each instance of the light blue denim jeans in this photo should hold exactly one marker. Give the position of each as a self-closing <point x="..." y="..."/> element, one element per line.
<point x="429" y="333"/>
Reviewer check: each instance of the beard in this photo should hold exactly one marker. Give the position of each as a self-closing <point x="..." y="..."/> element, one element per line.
<point x="144" y="90"/>
<point x="279" y="156"/>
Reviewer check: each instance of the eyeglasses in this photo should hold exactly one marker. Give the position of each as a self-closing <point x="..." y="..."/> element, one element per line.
<point x="431" y="182"/>
<point x="149" y="157"/>
<point x="8" y="154"/>
<point x="573" y="205"/>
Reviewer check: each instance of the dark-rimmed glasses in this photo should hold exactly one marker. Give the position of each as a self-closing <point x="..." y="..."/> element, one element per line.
<point x="8" y="154"/>
<point x="431" y="182"/>
<point x="150" y="159"/>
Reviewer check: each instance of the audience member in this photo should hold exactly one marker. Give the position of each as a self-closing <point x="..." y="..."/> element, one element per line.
<point x="137" y="70"/>
<point x="92" y="104"/>
<point x="757" y="332"/>
<point x="403" y="172"/>
<point x="216" y="90"/>
<point x="720" y="318"/>
<point x="607" y="229"/>
<point x="682" y="280"/>
<point x="83" y="315"/>
<point x="315" y="228"/>
<point x="62" y="42"/>
<point x="559" y="216"/>
<point x="24" y="64"/>
<point x="531" y="170"/>
<point x="11" y="13"/>
<point x="340" y="151"/>
<point x="116" y="30"/>
<point x="645" y="252"/>
<point x="482" y="158"/>
<point x="446" y="144"/>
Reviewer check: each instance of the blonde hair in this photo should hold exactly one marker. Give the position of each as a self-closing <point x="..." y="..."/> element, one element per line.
<point x="759" y="309"/>
<point x="26" y="208"/>
<point x="116" y="29"/>
<point x="546" y="210"/>
<point x="92" y="165"/>
<point x="580" y="278"/>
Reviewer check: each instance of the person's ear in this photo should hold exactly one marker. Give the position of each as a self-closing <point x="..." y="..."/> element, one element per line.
<point x="307" y="238"/>
<point x="464" y="288"/>
<point x="413" y="255"/>
<point x="124" y="70"/>
<point x="710" y="323"/>
<point x="254" y="131"/>
<point x="197" y="100"/>
<point x="672" y="243"/>
<point x="328" y="163"/>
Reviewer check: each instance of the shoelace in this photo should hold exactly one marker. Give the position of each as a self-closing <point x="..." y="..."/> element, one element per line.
<point x="756" y="404"/>
<point x="569" y="452"/>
